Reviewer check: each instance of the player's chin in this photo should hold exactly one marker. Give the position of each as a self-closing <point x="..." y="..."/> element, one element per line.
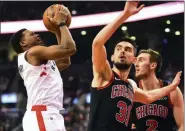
<point x="123" y="62"/>
<point x="138" y="75"/>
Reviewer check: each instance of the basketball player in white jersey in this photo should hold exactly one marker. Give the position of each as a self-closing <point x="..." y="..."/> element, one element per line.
<point x="39" y="68"/>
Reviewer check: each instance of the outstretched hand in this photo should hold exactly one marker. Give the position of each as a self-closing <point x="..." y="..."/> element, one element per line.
<point x="177" y="79"/>
<point x="131" y="7"/>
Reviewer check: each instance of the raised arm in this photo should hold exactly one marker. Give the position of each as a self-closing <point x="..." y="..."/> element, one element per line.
<point x="65" y="48"/>
<point x="64" y="39"/>
<point x="147" y="97"/>
<point x="99" y="56"/>
<point x="62" y="63"/>
<point x="42" y="53"/>
<point x="63" y="36"/>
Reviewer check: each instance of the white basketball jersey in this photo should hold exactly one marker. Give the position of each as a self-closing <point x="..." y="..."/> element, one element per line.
<point x="43" y="83"/>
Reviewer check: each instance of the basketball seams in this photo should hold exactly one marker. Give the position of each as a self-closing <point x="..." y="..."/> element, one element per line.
<point x="52" y="27"/>
<point x="51" y="22"/>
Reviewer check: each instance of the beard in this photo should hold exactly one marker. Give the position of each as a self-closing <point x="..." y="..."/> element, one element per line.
<point x="122" y="66"/>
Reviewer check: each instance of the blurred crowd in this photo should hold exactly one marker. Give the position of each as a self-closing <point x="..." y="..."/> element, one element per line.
<point x="34" y="10"/>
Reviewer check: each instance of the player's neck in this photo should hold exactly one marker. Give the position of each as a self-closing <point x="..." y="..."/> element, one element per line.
<point x="150" y="82"/>
<point x="123" y="74"/>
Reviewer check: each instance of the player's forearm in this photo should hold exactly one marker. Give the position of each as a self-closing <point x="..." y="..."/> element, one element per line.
<point x="58" y="36"/>
<point x="64" y="44"/>
<point x="159" y="93"/>
<point x="66" y="39"/>
<point x="109" y="29"/>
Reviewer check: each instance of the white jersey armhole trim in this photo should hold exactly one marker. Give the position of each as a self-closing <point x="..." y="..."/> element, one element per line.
<point x="24" y="57"/>
<point x="133" y="83"/>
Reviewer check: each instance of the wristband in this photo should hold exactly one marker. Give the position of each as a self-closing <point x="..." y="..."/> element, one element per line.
<point x="62" y="24"/>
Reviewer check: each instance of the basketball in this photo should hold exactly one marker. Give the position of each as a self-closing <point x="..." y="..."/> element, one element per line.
<point x="50" y="12"/>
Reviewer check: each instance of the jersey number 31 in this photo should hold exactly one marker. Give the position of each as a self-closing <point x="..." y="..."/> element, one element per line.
<point x="124" y="112"/>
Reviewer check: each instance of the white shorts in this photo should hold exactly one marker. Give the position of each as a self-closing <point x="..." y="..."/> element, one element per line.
<point x="48" y="121"/>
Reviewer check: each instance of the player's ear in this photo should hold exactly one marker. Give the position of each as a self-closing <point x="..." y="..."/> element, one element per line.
<point x="112" y="58"/>
<point x="134" y="60"/>
<point x="22" y="44"/>
<point x="153" y="65"/>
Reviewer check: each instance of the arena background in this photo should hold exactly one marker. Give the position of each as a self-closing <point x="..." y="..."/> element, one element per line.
<point x="164" y="34"/>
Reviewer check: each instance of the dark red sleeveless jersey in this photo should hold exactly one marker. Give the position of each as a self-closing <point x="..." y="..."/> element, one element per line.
<point x="111" y="106"/>
<point x="157" y="116"/>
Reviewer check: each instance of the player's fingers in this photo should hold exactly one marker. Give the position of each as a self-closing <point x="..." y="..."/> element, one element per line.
<point x="180" y="72"/>
<point x="51" y="19"/>
<point x="64" y="10"/>
<point x="67" y="11"/>
<point x="57" y="13"/>
<point x="140" y="8"/>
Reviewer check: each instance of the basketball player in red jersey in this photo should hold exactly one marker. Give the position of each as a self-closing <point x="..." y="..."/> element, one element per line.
<point x="112" y="93"/>
<point x="39" y="68"/>
<point x="163" y="114"/>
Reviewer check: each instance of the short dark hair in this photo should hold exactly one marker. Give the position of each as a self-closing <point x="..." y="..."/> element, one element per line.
<point x="155" y="56"/>
<point x="15" y="41"/>
<point x="127" y="39"/>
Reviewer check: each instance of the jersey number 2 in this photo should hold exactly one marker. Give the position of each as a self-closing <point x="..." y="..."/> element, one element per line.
<point x="124" y="112"/>
<point x="153" y="124"/>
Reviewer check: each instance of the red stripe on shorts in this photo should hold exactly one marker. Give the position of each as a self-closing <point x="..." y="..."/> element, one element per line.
<point x="40" y="120"/>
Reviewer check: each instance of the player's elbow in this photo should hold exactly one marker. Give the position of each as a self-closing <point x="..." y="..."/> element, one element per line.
<point x="73" y="50"/>
<point x="147" y="99"/>
<point x="68" y="63"/>
<point x="96" y="43"/>
<point x="63" y="67"/>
